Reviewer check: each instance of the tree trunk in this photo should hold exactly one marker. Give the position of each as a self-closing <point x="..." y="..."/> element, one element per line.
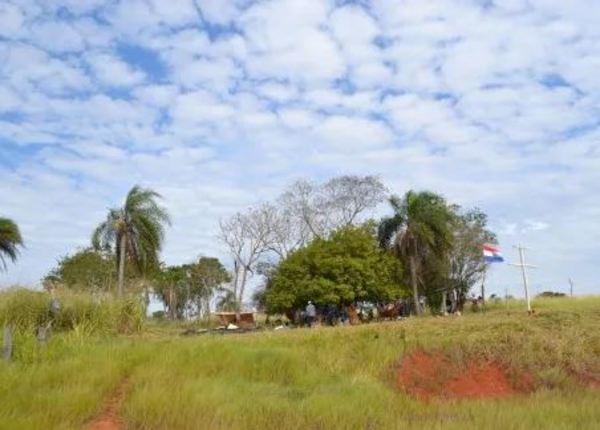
<point x="122" y="266"/>
<point x="415" y="284"/>
<point x="443" y="308"/>
<point x="208" y="312"/>
<point x="171" y="304"/>
<point x="454" y="300"/>
<point x="240" y="299"/>
<point x="199" y="307"/>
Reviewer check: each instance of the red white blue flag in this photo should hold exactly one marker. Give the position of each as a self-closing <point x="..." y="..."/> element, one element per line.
<point x="491" y="254"/>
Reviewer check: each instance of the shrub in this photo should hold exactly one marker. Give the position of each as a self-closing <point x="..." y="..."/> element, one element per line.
<point x="24" y="309"/>
<point x="551" y="294"/>
<point x="158" y="315"/>
<point x="86" y="313"/>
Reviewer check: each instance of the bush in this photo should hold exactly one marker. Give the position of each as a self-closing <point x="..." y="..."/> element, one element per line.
<point x="551" y="294"/>
<point x="26" y="310"/>
<point x="158" y="315"/>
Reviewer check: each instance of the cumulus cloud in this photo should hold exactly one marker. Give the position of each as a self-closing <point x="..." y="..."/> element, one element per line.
<point x="220" y="104"/>
<point x="11" y="19"/>
<point x="112" y="71"/>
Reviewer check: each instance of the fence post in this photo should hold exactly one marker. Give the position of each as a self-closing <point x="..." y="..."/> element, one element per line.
<point x="8" y="343"/>
<point x="43" y="333"/>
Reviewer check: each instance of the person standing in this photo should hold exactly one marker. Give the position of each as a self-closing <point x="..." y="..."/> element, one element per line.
<point x="311" y="313"/>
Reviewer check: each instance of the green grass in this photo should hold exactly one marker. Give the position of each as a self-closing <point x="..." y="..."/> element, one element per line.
<point x="311" y="379"/>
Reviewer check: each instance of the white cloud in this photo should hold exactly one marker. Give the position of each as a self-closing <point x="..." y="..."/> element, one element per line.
<point x="28" y="69"/>
<point x="217" y="11"/>
<point x="347" y="134"/>
<point x="11" y="20"/>
<point x="285" y="40"/>
<point x="175" y="12"/>
<point x="56" y="36"/>
<point x="157" y="95"/>
<point x="200" y="107"/>
<point x="493" y="106"/>
<point x="112" y="71"/>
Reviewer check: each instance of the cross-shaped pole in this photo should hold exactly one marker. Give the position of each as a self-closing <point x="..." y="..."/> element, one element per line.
<point x="522" y="265"/>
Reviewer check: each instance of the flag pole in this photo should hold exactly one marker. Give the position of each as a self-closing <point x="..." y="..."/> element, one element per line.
<point x="483" y="286"/>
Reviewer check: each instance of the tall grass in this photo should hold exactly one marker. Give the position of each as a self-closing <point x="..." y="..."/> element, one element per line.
<point x="327" y="378"/>
<point x="68" y="386"/>
<point x="345" y="377"/>
<point x="25" y="310"/>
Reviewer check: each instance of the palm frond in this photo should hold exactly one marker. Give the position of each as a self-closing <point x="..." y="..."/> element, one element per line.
<point x="10" y="241"/>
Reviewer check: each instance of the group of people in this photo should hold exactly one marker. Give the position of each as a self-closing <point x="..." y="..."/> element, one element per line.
<point x="331" y="314"/>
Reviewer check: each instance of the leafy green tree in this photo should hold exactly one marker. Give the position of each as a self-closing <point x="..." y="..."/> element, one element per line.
<point x="85" y="269"/>
<point x="421" y="226"/>
<point x="467" y="267"/>
<point x="207" y="277"/>
<point x="135" y="231"/>
<point x="10" y="241"/>
<point x="190" y="287"/>
<point x="172" y="286"/>
<point x="347" y="267"/>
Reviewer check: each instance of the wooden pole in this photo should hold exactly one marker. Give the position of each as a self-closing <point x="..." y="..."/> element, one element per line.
<point x="571" y="284"/>
<point x="7" y="348"/>
<point x="524" y="272"/>
<point x="523" y="267"/>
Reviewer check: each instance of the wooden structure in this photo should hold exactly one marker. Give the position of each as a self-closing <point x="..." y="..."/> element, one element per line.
<point x="246" y="319"/>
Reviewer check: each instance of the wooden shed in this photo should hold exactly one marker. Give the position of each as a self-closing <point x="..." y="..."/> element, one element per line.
<point x="246" y="320"/>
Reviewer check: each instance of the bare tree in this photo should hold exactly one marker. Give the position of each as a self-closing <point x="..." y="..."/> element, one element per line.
<point x="301" y="202"/>
<point x="285" y="233"/>
<point x="269" y="232"/>
<point x="248" y="237"/>
<point x="337" y="203"/>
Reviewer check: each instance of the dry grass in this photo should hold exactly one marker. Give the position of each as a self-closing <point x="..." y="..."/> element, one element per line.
<point x="314" y="379"/>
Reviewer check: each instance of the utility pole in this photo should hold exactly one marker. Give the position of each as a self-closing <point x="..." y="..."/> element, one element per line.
<point x="522" y="265"/>
<point x="571" y="283"/>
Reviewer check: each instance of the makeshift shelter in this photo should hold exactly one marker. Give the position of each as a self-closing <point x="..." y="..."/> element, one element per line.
<point x="245" y="321"/>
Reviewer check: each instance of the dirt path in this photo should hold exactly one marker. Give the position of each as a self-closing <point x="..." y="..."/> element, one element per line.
<point x="110" y="418"/>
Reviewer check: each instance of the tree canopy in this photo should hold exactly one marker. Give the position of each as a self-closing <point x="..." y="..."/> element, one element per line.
<point x="134" y="231"/>
<point x="421" y="227"/>
<point x="85" y="269"/>
<point x="187" y="289"/>
<point x="10" y="241"/>
<point x="344" y="268"/>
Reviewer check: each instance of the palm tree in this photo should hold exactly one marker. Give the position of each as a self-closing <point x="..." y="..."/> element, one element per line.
<point x="420" y="226"/>
<point x="10" y="241"/>
<point x="136" y="231"/>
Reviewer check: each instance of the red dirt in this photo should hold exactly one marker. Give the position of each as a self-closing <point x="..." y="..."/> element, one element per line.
<point x="109" y="419"/>
<point x="433" y="375"/>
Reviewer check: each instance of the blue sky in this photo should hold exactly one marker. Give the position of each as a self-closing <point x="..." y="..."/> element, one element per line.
<point x="221" y="104"/>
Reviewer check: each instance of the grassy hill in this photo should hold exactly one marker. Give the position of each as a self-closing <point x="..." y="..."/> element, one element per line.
<point x="344" y="377"/>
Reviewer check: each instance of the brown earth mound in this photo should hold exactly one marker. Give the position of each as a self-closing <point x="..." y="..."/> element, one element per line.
<point x="428" y="375"/>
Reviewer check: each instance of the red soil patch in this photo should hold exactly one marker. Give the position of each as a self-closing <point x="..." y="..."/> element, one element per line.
<point x="428" y="375"/>
<point x="109" y="419"/>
